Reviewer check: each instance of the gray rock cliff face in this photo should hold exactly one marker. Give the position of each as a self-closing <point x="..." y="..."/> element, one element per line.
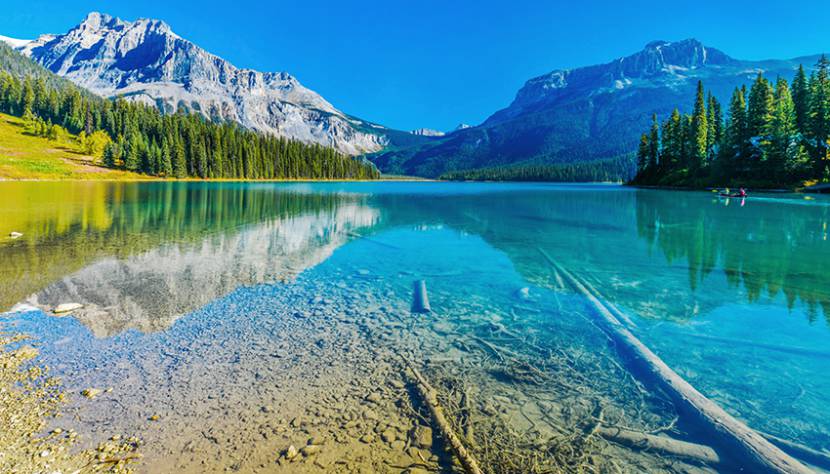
<point x="145" y="61"/>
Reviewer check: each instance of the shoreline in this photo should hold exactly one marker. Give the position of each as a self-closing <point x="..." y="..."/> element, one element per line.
<point x="800" y="190"/>
<point x="219" y="180"/>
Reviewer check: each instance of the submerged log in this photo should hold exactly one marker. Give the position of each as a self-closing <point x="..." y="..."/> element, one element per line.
<point x="430" y="397"/>
<point x="644" y="441"/>
<point x="612" y="308"/>
<point x="806" y="454"/>
<point x="420" y="300"/>
<point x="64" y="308"/>
<point x="757" y="452"/>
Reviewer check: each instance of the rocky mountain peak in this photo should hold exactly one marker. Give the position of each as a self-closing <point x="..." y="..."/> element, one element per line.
<point x="96" y="20"/>
<point x="144" y="61"/>
<point x="689" y="53"/>
<point x="659" y="62"/>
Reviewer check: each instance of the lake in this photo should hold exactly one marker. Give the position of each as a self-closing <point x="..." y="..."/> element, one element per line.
<point x="234" y="320"/>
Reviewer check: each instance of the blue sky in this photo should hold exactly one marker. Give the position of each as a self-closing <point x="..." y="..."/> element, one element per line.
<point x="426" y="63"/>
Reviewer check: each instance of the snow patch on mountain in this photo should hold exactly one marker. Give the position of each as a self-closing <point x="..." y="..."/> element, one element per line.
<point x="145" y="61"/>
<point x="13" y="42"/>
<point x="427" y="132"/>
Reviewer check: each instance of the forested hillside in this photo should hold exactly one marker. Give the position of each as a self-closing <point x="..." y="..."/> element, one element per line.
<point x="773" y="135"/>
<point x="140" y="138"/>
<point x="595" y="171"/>
<point x="568" y="120"/>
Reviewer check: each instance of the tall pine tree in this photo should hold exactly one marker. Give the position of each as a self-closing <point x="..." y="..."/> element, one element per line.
<point x="819" y="127"/>
<point x="801" y="100"/>
<point x="699" y="130"/>
<point x="654" y="143"/>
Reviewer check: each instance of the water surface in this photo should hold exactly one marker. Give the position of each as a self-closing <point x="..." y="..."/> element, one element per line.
<point x="252" y="316"/>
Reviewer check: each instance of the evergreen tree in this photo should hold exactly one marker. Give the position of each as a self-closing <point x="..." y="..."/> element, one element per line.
<point x="134" y="152"/>
<point x="737" y="134"/>
<point x="819" y="128"/>
<point x="179" y="164"/>
<point x="673" y="141"/>
<point x="28" y="98"/>
<point x="202" y="161"/>
<point x="714" y="119"/>
<point x="166" y="165"/>
<point x="112" y="155"/>
<point x="759" y="115"/>
<point x="698" y="136"/>
<point x="801" y="100"/>
<point x="642" y="155"/>
<point x="782" y="132"/>
<point x="654" y="143"/>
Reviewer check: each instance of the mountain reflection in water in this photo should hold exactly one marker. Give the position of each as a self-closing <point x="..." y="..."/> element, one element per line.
<point x="127" y="247"/>
<point x="138" y="256"/>
<point x="732" y="297"/>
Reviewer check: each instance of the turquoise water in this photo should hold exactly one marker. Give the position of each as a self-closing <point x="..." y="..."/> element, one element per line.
<point x="187" y="286"/>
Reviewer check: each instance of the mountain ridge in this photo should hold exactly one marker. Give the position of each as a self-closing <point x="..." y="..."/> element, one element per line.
<point x="564" y="117"/>
<point x="145" y="61"/>
<point x="587" y="114"/>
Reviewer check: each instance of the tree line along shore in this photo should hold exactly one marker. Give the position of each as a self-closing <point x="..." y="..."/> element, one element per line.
<point x="773" y="135"/>
<point x="141" y="139"/>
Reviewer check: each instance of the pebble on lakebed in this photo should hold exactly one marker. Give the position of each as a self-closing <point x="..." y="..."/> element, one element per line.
<point x="91" y="393"/>
<point x="291" y="452"/>
<point x="23" y="445"/>
<point x="423" y="436"/>
<point x="311" y="449"/>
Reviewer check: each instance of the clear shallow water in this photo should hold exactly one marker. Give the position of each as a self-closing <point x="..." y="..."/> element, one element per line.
<point x="187" y="286"/>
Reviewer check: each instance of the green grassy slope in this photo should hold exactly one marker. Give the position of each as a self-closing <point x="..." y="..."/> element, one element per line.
<point x="25" y="156"/>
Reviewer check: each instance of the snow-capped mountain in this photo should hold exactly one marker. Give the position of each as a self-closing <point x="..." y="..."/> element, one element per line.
<point x="587" y="114"/>
<point x="145" y="61"/>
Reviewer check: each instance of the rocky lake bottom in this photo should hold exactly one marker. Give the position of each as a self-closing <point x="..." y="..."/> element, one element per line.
<point x="296" y="344"/>
<point x="311" y="376"/>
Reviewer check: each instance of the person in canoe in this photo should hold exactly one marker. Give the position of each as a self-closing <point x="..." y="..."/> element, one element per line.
<point x="740" y="194"/>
